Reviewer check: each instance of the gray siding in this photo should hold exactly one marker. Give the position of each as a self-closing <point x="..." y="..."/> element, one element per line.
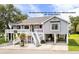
<point x="64" y="27"/>
<point x="62" y="24"/>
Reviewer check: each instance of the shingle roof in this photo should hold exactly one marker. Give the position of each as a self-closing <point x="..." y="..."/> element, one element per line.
<point x="35" y="20"/>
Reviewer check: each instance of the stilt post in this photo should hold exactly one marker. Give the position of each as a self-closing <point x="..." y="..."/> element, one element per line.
<point x="55" y="38"/>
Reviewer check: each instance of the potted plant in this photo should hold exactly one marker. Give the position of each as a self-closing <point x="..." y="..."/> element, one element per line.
<point x="22" y="38"/>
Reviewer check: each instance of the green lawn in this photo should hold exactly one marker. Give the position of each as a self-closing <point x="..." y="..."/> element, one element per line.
<point x="73" y="44"/>
<point x="2" y="39"/>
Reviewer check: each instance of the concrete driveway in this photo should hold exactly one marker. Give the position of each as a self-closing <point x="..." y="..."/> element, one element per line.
<point x="43" y="47"/>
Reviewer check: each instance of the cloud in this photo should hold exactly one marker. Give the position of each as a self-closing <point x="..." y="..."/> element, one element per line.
<point x="33" y="8"/>
<point x="66" y="16"/>
<point x="26" y="8"/>
<point x="65" y="7"/>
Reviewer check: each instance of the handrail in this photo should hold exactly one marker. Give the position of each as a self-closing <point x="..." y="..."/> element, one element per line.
<point x="38" y="30"/>
<point x="16" y="30"/>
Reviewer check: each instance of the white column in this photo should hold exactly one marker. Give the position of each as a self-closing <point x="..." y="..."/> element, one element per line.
<point x="29" y="27"/>
<point x="55" y="38"/>
<point x="16" y="36"/>
<point x="8" y="36"/>
<point x="67" y="38"/>
<point x="11" y="36"/>
<point x="21" y="26"/>
<point x="43" y="36"/>
<point x="43" y="33"/>
<point x="5" y="36"/>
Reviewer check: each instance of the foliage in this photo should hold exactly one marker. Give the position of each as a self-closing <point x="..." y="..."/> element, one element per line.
<point x="74" y="22"/>
<point x="22" y="36"/>
<point x="2" y="39"/>
<point x="9" y="14"/>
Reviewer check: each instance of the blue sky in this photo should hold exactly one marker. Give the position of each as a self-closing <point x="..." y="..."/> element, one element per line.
<point x="26" y="8"/>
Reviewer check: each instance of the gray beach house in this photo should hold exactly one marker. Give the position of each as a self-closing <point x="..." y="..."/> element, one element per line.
<point x="40" y="30"/>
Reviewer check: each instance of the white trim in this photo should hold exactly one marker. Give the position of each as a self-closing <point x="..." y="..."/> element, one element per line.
<point x="21" y="27"/>
<point x="54" y="30"/>
<point x="5" y="37"/>
<point x="8" y="36"/>
<point x="53" y="17"/>
<point x="43" y="32"/>
<point x="67" y="34"/>
<point x="55" y="38"/>
<point x="38" y="23"/>
<point x="47" y="20"/>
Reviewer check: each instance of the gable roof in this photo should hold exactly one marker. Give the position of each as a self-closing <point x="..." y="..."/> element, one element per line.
<point x="38" y="20"/>
<point x="55" y="17"/>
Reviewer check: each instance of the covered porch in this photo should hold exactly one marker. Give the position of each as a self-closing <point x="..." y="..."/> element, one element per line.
<point x="13" y="36"/>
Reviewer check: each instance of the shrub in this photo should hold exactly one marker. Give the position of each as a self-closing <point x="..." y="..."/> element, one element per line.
<point x="22" y="36"/>
<point x="42" y="41"/>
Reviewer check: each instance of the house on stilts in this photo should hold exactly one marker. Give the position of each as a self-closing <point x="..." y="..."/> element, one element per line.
<point x="50" y="29"/>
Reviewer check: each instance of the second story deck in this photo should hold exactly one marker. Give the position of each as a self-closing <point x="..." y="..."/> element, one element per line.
<point x="24" y="28"/>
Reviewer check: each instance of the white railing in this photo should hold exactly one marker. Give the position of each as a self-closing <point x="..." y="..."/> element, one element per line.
<point x="22" y="30"/>
<point x="16" y="30"/>
<point x="38" y="30"/>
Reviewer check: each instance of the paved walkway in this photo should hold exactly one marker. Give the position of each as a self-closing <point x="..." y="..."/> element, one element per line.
<point x="43" y="47"/>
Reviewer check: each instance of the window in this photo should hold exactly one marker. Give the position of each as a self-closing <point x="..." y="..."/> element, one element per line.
<point x="26" y="27"/>
<point x="40" y="26"/>
<point x="54" y="26"/>
<point x="18" y="27"/>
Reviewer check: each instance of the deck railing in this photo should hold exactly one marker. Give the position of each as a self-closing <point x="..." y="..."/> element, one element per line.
<point x="38" y="30"/>
<point x="16" y="30"/>
<point x="21" y="30"/>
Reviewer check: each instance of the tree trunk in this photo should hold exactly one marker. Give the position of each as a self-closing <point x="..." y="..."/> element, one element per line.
<point x="75" y="28"/>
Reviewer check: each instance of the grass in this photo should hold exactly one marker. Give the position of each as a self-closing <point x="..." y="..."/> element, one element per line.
<point x="2" y="39"/>
<point x="73" y="44"/>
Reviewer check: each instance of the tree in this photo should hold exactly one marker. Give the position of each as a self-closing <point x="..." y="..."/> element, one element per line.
<point x="74" y="22"/>
<point x="2" y="26"/>
<point x="10" y="14"/>
<point x="2" y="13"/>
